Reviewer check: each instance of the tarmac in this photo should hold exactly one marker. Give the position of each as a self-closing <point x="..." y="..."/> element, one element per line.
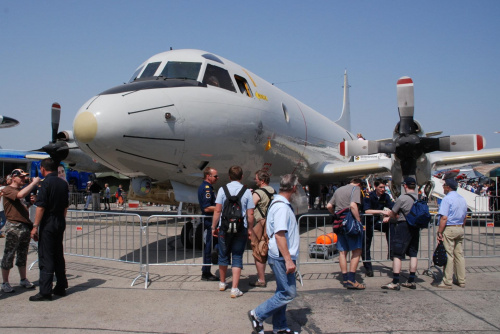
<point x="100" y="299"/>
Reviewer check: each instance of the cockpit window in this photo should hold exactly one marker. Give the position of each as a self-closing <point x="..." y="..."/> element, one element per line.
<point x="150" y="70"/>
<point x="218" y="77"/>
<point x="181" y="70"/>
<point x="243" y="86"/>
<point x="136" y="73"/>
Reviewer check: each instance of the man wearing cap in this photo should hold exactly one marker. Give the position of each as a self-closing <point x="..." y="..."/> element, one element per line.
<point x="18" y="228"/>
<point x="50" y="222"/>
<point x="406" y="237"/>
<point x="453" y="213"/>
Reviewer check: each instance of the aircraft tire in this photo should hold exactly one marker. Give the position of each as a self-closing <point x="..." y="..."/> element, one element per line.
<point x="186" y="235"/>
<point x="191" y="236"/>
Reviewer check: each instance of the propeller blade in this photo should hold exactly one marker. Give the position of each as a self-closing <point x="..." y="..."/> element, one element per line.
<point x="365" y="147"/>
<point x="405" y="105"/>
<point x="457" y="143"/>
<point x="56" y="116"/>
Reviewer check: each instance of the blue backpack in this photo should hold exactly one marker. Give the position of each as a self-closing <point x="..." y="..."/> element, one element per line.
<point x="419" y="215"/>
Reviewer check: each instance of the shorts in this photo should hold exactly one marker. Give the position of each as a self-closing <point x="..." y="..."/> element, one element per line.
<point x="17" y="242"/>
<point x="349" y="243"/>
<point x="405" y="240"/>
<point x="231" y="248"/>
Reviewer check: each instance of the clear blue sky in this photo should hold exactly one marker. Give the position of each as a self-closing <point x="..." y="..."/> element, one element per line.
<point x="68" y="51"/>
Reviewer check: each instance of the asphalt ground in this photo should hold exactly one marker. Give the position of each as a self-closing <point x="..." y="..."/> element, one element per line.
<point x="100" y="299"/>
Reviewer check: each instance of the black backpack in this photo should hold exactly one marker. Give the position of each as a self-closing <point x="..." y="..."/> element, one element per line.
<point x="232" y="212"/>
<point x="419" y="215"/>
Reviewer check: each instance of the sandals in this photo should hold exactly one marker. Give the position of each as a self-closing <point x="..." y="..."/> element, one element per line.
<point x="354" y="285"/>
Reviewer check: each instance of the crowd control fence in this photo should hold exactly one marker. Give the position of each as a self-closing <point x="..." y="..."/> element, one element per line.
<point x="106" y="236"/>
<point x="177" y="240"/>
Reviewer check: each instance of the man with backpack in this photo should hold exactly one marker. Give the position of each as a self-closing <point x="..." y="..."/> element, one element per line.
<point x="234" y="215"/>
<point x="406" y="237"/>
<point x="262" y="198"/>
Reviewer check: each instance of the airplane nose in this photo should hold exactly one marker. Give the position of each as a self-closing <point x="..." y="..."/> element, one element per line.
<point x="85" y="127"/>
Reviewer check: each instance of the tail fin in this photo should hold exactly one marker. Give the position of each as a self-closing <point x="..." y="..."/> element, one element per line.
<point x="345" y="119"/>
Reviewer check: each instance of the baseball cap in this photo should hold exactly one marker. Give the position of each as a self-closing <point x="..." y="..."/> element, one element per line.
<point x="451" y="183"/>
<point x="409" y="181"/>
<point x="18" y="172"/>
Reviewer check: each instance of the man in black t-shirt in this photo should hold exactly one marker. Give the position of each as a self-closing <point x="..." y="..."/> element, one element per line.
<point x="50" y="222"/>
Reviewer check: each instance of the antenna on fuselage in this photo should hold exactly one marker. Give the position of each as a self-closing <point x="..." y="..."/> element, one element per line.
<point x="345" y="118"/>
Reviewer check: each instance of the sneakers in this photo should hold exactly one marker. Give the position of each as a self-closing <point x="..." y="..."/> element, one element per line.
<point x="235" y="292"/>
<point x="7" y="288"/>
<point x="222" y="286"/>
<point x="258" y="283"/>
<point x="409" y="285"/>
<point x="391" y="286"/>
<point x="27" y="284"/>
<point x="257" y="326"/>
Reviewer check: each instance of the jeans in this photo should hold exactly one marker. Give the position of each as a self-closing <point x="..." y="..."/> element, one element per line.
<point x="231" y="248"/>
<point x="286" y="291"/>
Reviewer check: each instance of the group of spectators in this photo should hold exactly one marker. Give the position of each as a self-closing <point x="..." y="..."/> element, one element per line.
<point x="268" y="218"/>
<point x="482" y="189"/>
<point x="404" y="238"/>
<point x="94" y="193"/>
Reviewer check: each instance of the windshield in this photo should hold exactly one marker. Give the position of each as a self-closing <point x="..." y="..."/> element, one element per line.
<point x="150" y="70"/>
<point x="136" y="73"/>
<point x="181" y="70"/>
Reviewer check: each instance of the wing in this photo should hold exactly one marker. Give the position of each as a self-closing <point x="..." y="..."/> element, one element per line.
<point x="450" y="158"/>
<point x="340" y="171"/>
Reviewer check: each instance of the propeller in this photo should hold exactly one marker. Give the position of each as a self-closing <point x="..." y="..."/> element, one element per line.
<point x="409" y="143"/>
<point x="58" y="150"/>
<point x="56" y="117"/>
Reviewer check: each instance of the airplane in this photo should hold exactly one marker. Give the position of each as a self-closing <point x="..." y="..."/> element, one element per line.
<point x="183" y="110"/>
<point x="7" y="122"/>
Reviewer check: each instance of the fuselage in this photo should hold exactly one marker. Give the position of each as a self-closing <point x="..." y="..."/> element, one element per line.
<point x="187" y="109"/>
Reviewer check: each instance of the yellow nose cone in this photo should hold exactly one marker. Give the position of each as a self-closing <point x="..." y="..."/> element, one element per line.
<point x="85" y="127"/>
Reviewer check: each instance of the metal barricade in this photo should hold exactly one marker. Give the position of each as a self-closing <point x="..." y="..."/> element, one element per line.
<point x="77" y="200"/>
<point x="178" y="240"/>
<point x="105" y="236"/>
<point x="173" y="240"/>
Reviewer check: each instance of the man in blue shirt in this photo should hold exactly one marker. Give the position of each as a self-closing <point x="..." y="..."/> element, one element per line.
<point x="453" y="213"/>
<point x="232" y="245"/>
<point x="206" y="198"/>
<point x="284" y="242"/>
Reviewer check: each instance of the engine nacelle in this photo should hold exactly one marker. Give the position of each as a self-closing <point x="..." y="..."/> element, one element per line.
<point x="141" y="185"/>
